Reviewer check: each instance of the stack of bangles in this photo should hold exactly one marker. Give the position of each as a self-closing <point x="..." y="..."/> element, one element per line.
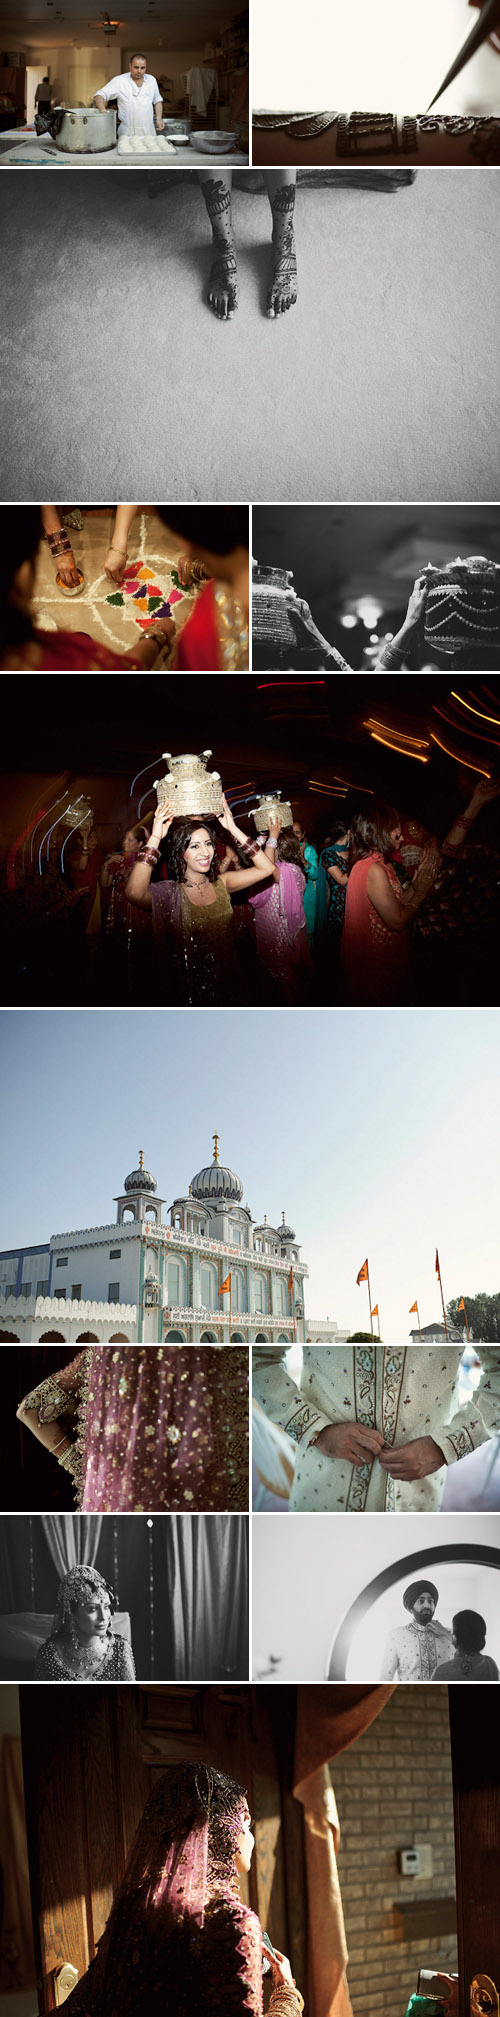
<point x="67" y="1459"/>
<point x="250" y="847"/>
<point x="452" y="847"/>
<point x="281" y="2000"/>
<point x="150" y="854"/>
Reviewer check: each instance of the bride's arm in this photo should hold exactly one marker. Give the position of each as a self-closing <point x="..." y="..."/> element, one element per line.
<point x="44" y="1410"/>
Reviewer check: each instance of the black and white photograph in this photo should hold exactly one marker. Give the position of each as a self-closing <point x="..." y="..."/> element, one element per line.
<point x="92" y="1599"/>
<point x="401" y="588"/>
<point x="268" y="336"/>
<point x="374" y="1606"/>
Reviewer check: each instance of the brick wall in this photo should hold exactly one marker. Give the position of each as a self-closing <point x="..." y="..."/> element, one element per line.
<point x="394" y="1790"/>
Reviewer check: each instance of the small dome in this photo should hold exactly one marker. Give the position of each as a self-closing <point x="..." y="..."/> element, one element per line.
<point x="265" y="1228"/>
<point x="140" y="1180"/>
<point x="286" y="1232"/>
<point x="216" y="1182"/>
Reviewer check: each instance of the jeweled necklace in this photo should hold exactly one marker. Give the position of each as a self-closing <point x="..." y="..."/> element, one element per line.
<point x="83" y="1660"/>
<point x="195" y="885"/>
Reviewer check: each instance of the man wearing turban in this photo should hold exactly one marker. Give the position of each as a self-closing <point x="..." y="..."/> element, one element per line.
<point x="413" y="1651"/>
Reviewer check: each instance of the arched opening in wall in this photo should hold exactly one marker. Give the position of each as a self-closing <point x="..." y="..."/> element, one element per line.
<point x="87" y="1338"/>
<point x="282" y="1338"/>
<point x="128" y="1213"/>
<point x="237" y="1338"/>
<point x="208" y="1338"/>
<point x="119" y="1338"/>
<point x="51" y="1338"/>
<point x="151" y="1214"/>
<point x="261" y="1338"/>
<point x="8" y="1338"/>
<point x="175" y="1338"/>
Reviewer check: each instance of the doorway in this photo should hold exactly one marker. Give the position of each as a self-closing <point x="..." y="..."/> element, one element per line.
<point x="34" y="76"/>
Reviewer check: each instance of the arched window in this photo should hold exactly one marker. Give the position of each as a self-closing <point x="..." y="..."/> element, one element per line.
<point x="208" y="1338"/>
<point x="87" y="1338"/>
<point x="174" y="1338"/>
<point x="260" y="1294"/>
<point x="128" y="1213"/>
<point x="237" y="1338"/>
<point x="119" y="1338"/>
<point x="281" y="1299"/>
<point x="238" y="1301"/>
<point x="261" y="1338"/>
<point x="52" y="1338"/>
<point x="176" y="1285"/>
<point x="7" y="1338"/>
<point x="282" y="1338"/>
<point x="209" y="1287"/>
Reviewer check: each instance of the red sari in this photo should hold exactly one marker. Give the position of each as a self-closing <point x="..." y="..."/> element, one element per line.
<point x="215" y="637"/>
<point x="73" y="651"/>
<point x="375" y="960"/>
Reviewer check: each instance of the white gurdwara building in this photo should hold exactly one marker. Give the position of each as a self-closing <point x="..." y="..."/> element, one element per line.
<point x="207" y="1275"/>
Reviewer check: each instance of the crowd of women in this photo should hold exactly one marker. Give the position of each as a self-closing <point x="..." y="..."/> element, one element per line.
<point x="187" y="910"/>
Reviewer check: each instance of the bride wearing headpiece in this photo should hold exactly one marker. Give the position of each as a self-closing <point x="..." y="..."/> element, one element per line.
<point x="82" y="1645"/>
<point x="179" y="1939"/>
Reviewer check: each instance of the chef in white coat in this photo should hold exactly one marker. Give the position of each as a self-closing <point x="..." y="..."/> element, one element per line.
<point x="140" y="105"/>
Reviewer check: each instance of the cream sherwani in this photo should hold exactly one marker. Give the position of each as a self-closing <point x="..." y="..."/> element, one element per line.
<point x="404" y="1392"/>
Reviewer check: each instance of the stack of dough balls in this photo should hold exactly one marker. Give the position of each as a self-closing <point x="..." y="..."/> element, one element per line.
<point x="144" y="143"/>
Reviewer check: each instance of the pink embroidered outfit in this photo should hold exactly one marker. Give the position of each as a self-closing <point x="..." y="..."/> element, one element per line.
<point x="281" y="931"/>
<point x="156" y="1426"/>
<point x="179" y="1941"/>
<point x="375" y="960"/>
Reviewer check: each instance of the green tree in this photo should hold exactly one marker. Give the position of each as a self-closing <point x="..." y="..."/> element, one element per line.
<point x="363" y="1338"/>
<point x="483" y="1316"/>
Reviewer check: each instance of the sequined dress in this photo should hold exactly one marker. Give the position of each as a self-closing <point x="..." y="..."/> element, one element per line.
<point x="116" y="1665"/>
<point x="156" y="1426"/>
<point x="196" y="947"/>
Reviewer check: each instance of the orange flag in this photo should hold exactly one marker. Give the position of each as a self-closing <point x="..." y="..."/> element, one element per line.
<point x="224" y="1285"/>
<point x="413" y="1306"/>
<point x="290" y="1281"/>
<point x="461" y="1304"/>
<point x="437" y="1263"/>
<point x="363" y="1274"/>
<point x="375" y="1311"/>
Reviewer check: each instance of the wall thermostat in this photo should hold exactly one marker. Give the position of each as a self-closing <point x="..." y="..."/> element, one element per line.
<point x="409" y="1862"/>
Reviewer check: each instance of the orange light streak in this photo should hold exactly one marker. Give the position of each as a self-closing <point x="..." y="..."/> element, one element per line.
<point x="418" y="741"/>
<point x="398" y="747"/>
<point x="460" y="759"/>
<point x="495" y="718"/>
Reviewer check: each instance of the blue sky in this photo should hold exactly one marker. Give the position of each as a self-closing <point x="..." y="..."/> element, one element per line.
<point x="376" y="1132"/>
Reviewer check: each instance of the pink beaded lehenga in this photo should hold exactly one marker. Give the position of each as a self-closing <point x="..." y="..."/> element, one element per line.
<point x="157" y="1426"/>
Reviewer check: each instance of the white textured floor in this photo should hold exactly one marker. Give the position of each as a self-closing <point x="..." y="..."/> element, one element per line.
<point x="382" y="383"/>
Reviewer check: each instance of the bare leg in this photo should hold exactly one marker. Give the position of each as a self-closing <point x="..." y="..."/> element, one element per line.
<point x="223" y="284"/>
<point x="282" y="294"/>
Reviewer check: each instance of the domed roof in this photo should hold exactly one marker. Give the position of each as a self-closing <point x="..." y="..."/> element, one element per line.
<point x="141" y="1179"/>
<point x="265" y="1228"/>
<point x="285" y="1232"/>
<point x="217" y="1182"/>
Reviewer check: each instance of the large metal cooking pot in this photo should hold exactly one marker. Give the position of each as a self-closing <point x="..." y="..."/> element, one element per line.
<point x="80" y="129"/>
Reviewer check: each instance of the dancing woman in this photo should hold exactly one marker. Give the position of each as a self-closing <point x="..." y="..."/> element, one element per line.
<point x="156" y="1427"/>
<point x="81" y="1645"/>
<point x="192" y="912"/>
<point x="179" y="1941"/>
<point x="380" y="908"/>
<point x="280" y="922"/>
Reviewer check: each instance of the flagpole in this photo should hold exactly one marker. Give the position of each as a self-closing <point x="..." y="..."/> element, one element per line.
<point x="419" y="1324"/>
<point x="369" y="1303"/>
<point x="438" y="1272"/>
<point x="466" y="1321"/>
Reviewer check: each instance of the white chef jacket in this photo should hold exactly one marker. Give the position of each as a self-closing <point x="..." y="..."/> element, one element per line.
<point x="135" y="102"/>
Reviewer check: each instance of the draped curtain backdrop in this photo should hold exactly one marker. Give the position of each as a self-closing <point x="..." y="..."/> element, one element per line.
<point x="328" y="1720"/>
<point x="72" y="1538"/>
<point x="206" y="1561"/>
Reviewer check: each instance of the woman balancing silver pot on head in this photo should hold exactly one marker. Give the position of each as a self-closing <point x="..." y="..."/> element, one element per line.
<point x="179" y="1941"/>
<point x="82" y="1645"/>
<point x="192" y="912"/>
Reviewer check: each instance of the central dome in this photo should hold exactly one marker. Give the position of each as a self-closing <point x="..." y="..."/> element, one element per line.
<point x="217" y="1182"/>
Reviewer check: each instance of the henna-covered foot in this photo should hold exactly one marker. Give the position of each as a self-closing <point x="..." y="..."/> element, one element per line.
<point x="282" y="293"/>
<point x="223" y="285"/>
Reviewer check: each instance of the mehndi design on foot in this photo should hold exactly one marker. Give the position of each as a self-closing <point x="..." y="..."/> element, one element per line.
<point x="282" y="293"/>
<point x="223" y="282"/>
